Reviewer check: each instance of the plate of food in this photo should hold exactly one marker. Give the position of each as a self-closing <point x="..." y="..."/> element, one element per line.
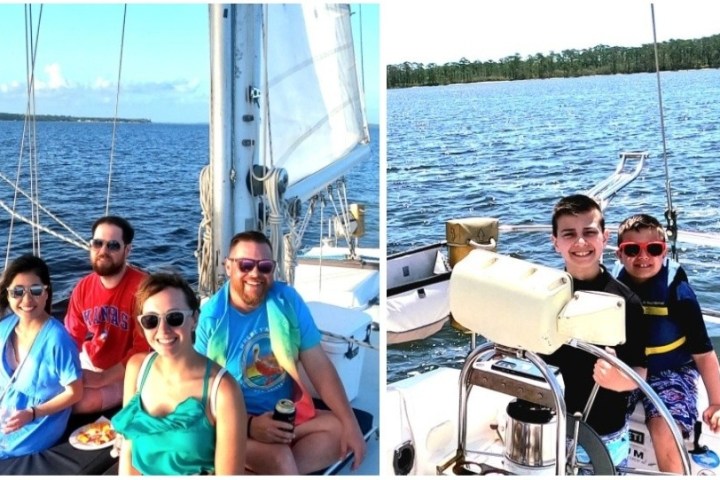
<point x="94" y="436"/>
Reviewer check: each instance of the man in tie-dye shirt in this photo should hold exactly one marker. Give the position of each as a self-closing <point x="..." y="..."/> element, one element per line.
<point x="258" y="328"/>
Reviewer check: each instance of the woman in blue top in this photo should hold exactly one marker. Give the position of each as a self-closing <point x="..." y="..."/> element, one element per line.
<point x="182" y="415"/>
<point x="40" y="375"/>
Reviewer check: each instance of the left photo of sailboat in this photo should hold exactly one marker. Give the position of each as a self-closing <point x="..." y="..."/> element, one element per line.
<point x="226" y="157"/>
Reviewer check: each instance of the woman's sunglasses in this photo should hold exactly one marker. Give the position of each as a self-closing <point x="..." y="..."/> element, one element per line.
<point x="246" y="265"/>
<point x="632" y="249"/>
<point x="19" y="291"/>
<point x="112" y="245"/>
<point x="174" y="319"/>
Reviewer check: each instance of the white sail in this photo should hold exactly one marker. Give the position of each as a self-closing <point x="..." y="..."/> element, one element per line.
<point x="315" y="107"/>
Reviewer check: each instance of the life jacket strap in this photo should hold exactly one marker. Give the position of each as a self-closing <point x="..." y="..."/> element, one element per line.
<point x="665" y="348"/>
<point x="657" y="311"/>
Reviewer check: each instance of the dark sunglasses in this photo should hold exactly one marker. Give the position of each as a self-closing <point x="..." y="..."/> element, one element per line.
<point x="19" y="291"/>
<point x="112" y="245"/>
<point x="176" y="318"/>
<point x="632" y="249"/>
<point x="248" y="264"/>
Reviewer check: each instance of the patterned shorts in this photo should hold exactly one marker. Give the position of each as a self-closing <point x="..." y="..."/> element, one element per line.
<point x="677" y="389"/>
<point x="618" y="445"/>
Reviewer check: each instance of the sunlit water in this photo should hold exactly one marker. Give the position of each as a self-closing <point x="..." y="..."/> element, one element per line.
<point x="511" y="149"/>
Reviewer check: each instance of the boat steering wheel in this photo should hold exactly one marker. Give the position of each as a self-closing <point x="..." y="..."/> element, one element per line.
<point x="591" y="442"/>
<point x="574" y="427"/>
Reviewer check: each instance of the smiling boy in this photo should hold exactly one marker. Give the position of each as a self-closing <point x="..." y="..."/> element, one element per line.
<point x="579" y="236"/>
<point x="679" y="348"/>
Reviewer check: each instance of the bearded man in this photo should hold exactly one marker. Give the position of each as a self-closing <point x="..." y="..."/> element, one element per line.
<point x="259" y="329"/>
<point x="101" y="315"/>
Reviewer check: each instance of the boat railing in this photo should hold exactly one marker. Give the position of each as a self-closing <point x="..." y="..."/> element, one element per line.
<point x="627" y="170"/>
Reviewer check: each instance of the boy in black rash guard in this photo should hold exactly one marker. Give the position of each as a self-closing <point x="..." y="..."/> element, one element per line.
<point x="679" y="349"/>
<point x="579" y="235"/>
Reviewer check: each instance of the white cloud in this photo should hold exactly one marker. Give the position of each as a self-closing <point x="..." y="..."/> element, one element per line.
<point x="11" y="87"/>
<point x="101" y="84"/>
<point x="56" y="79"/>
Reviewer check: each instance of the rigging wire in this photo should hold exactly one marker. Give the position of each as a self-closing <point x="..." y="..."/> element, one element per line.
<point x="117" y="103"/>
<point x="670" y="213"/>
<point x="16" y="188"/>
<point x="8" y="247"/>
<point x="31" y="45"/>
<point x="28" y="132"/>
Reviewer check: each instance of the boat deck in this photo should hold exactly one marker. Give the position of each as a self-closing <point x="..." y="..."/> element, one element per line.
<point x="368" y="400"/>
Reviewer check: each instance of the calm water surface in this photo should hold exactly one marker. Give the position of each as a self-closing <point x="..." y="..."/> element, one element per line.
<point x="511" y="149"/>
<point x="154" y="185"/>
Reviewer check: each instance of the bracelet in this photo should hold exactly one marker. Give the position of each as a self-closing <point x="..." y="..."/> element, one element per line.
<point x="33" y="412"/>
<point x="249" y="422"/>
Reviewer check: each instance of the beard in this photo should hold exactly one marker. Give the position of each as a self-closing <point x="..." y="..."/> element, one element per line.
<point x="253" y="296"/>
<point x="109" y="268"/>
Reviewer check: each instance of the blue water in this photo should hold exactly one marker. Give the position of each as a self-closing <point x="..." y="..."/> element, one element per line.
<point x="511" y="149"/>
<point x="154" y="185"/>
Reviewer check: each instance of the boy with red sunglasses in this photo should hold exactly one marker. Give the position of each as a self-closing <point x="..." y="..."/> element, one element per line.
<point x="679" y="347"/>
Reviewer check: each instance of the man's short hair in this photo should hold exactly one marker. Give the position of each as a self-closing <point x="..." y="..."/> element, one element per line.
<point x="250" y="236"/>
<point x="575" y="205"/>
<point x="128" y="233"/>
<point x="640" y="222"/>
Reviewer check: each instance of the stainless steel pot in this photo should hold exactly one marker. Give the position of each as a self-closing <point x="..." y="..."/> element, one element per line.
<point x="530" y="434"/>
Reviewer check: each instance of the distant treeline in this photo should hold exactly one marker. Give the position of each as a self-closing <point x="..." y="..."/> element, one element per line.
<point x="599" y="60"/>
<point x="66" y="118"/>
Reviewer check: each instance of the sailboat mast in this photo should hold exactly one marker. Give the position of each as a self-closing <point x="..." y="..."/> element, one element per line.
<point x="235" y="42"/>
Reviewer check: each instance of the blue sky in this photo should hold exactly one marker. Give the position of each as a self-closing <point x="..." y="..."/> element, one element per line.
<point x="442" y="32"/>
<point x="165" y="70"/>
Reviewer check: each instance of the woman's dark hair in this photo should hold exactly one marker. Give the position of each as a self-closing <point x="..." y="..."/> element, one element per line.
<point x="25" y="264"/>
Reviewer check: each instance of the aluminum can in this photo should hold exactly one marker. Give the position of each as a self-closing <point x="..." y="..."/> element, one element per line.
<point x="284" y="411"/>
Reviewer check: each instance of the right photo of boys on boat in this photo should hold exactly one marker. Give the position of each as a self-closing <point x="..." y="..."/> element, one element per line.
<point x="567" y="322"/>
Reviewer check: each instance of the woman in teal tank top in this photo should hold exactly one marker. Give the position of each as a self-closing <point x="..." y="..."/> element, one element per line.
<point x="181" y="415"/>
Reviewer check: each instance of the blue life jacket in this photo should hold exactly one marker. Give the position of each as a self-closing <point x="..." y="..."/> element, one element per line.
<point x="667" y="344"/>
